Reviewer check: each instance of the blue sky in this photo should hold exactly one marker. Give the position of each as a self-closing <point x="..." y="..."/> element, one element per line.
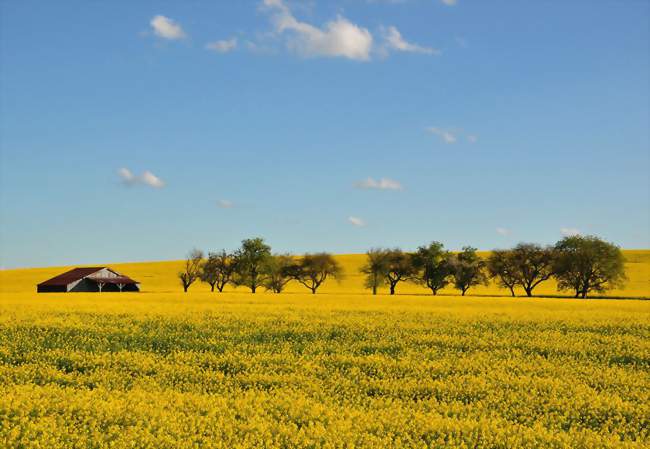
<point x="137" y="130"/>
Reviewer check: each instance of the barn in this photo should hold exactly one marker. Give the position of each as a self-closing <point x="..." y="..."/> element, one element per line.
<point x="89" y="279"/>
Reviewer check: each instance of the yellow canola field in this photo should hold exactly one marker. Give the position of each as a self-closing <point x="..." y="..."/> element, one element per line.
<point x="342" y="369"/>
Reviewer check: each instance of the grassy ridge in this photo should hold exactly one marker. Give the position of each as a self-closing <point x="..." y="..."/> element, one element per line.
<point x="160" y="277"/>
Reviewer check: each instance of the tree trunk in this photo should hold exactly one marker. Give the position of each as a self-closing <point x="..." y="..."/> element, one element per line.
<point x="434" y="291"/>
<point x="392" y="289"/>
<point x="212" y="287"/>
<point x="464" y="290"/>
<point x="374" y="289"/>
<point x="529" y="291"/>
<point x="512" y="291"/>
<point x="313" y="290"/>
<point x="584" y="294"/>
<point x="185" y="286"/>
<point x="253" y="288"/>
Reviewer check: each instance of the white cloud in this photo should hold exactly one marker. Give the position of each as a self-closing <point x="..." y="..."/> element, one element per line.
<point x="381" y="184"/>
<point x="504" y="231"/>
<point x="166" y="28"/>
<point x="127" y="176"/>
<point x="337" y="38"/>
<point x="146" y="178"/>
<point x="225" y="204"/>
<point x="446" y="135"/>
<point x="395" y="41"/>
<point x="222" y="46"/>
<point x="449" y="2"/>
<point x="451" y="135"/>
<point x="570" y="232"/>
<point x="356" y="221"/>
<point x="151" y="180"/>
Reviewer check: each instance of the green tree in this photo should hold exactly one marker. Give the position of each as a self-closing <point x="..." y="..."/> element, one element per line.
<point x="251" y="258"/>
<point x="192" y="269"/>
<point x="588" y="264"/>
<point x="501" y="266"/>
<point x="279" y="270"/>
<point x="468" y="269"/>
<point x="313" y="269"/>
<point x="399" y="267"/>
<point x="432" y="266"/>
<point x="533" y="265"/>
<point x="218" y="270"/>
<point x="375" y="268"/>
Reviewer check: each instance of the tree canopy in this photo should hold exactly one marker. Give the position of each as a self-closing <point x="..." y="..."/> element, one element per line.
<point x="585" y="264"/>
<point x="251" y="259"/>
<point x="192" y="269"/>
<point x="468" y="269"/>
<point x="313" y="269"/>
<point x="432" y="266"/>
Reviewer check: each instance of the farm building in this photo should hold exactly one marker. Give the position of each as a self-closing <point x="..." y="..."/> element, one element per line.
<point x="89" y="279"/>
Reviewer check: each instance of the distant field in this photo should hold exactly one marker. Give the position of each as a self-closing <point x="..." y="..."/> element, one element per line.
<point x="341" y="369"/>
<point x="160" y="277"/>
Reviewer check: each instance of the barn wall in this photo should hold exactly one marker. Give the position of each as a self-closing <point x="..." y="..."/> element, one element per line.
<point x="104" y="273"/>
<point x="86" y="285"/>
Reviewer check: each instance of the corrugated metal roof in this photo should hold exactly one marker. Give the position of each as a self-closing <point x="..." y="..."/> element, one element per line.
<point x="80" y="273"/>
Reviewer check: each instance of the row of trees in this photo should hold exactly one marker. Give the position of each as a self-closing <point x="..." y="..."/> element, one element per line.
<point x="253" y="265"/>
<point x="579" y="264"/>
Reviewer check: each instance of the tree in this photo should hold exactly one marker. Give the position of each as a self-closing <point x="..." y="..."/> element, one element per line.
<point x="468" y="269"/>
<point x="251" y="259"/>
<point x="533" y="265"/>
<point x="375" y="268"/>
<point x="218" y="270"/>
<point x="399" y="268"/>
<point x="314" y="269"/>
<point x="501" y="265"/>
<point x="432" y="266"/>
<point x="586" y="264"/>
<point x="192" y="269"/>
<point x="279" y="271"/>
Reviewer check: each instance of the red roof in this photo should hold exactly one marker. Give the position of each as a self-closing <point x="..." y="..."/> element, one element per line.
<point x="77" y="274"/>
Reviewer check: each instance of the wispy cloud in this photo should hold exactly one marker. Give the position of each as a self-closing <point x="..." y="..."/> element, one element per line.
<point x="505" y="232"/>
<point x="225" y="204"/>
<point x="337" y="38"/>
<point x="222" y="46"/>
<point x="166" y="28"/>
<point x="151" y="180"/>
<point x="449" y="2"/>
<point x="381" y="184"/>
<point x="356" y="221"/>
<point x="395" y="41"/>
<point x="570" y="232"/>
<point x="147" y="178"/>
<point x="450" y="136"/>
<point x="126" y="176"/>
<point x="446" y="135"/>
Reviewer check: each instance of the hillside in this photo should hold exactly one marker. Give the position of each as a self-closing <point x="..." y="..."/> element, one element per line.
<point x="160" y="277"/>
